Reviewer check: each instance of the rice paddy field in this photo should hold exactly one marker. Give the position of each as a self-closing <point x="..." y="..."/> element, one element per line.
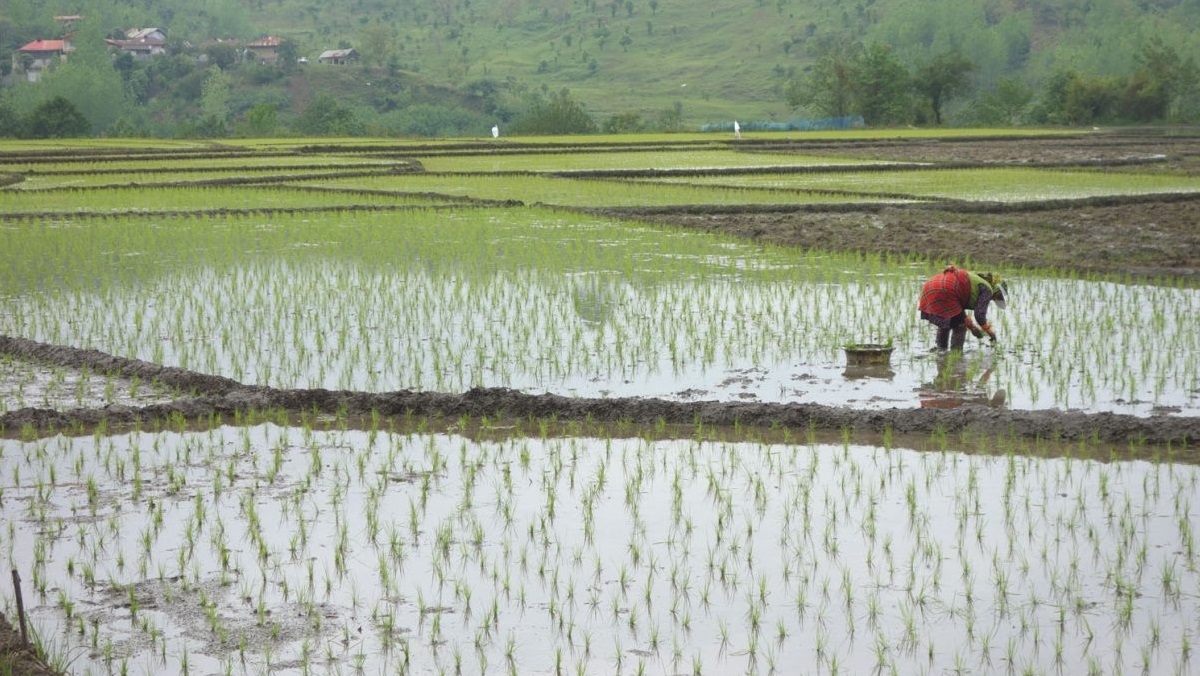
<point x="312" y="541"/>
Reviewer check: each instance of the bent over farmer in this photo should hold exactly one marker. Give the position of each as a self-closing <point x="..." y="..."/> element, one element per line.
<point x="948" y="296"/>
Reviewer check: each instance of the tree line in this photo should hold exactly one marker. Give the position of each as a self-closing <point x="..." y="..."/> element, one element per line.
<point x="870" y="80"/>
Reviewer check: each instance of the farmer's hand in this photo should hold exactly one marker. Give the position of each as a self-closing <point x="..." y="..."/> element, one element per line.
<point x="976" y="331"/>
<point x="987" y="328"/>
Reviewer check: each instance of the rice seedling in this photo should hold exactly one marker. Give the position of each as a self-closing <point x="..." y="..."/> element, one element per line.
<point x="728" y="308"/>
<point x="460" y="584"/>
<point x="578" y="192"/>
<point x="418" y="548"/>
<point x="678" y="158"/>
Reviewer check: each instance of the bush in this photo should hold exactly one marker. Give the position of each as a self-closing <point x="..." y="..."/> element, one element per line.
<point x="326" y="117"/>
<point x="624" y="123"/>
<point x="433" y="120"/>
<point x="57" y="118"/>
<point x="560" y="115"/>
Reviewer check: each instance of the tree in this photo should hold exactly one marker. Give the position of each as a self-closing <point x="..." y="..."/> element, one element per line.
<point x="624" y="123"/>
<point x="57" y="118"/>
<point x="851" y="79"/>
<point x="377" y="41"/>
<point x="214" y="96"/>
<point x="881" y="87"/>
<point x="946" y="76"/>
<point x="830" y="86"/>
<point x="1074" y="99"/>
<point x="1159" y="87"/>
<point x="326" y="117"/>
<point x="95" y="88"/>
<point x="10" y="124"/>
<point x="559" y="115"/>
<point x="222" y="55"/>
<point x="1005" y="103"/>
<point x="261" y="120"/>
<point x="670" y="119"/>
<point x="287" y="54"/>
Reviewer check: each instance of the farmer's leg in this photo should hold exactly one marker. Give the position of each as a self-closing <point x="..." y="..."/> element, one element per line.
<point x="958" y="331"/>
<point x="958" y="338"/>
<point x="943" y="339"/>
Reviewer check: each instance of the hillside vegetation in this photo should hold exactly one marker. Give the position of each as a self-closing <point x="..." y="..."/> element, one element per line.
<point x="437" y="67"/>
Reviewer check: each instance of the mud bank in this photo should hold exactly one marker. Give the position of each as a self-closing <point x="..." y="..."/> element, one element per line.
<point x="212" y="396"/>
<point x="18" y="658"/>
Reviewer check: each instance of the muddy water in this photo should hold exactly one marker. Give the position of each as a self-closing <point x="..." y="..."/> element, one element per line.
<point x="608" y="311"/>
<point x="246" y="549"/>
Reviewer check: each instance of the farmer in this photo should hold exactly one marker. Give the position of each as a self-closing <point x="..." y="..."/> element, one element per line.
<point x="947" y="297"/>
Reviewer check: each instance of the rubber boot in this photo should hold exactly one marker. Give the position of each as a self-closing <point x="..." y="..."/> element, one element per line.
<point x="958" y="338"/>
<point x="943" y="339"/>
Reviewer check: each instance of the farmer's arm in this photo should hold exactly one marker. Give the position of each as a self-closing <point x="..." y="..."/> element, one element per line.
<point x="981" y="308"/>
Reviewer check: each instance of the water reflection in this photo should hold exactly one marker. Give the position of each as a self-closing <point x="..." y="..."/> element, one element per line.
<point x="962" y="380"/>
<point x="861" y="371"/>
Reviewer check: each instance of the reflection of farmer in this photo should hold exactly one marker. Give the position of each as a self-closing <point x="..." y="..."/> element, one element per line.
<point x="955" y="384"/>
<point x="947" y="297"/>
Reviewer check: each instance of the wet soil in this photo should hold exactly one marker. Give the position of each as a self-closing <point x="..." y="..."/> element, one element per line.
<point x="16" y="657"/>
<point x="1143" y="236"/>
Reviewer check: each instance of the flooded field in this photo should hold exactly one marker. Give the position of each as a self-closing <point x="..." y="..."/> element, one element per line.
<point x="545" y="302"/>
<point x="294" y="549"/>
<point x="387" y="407"/>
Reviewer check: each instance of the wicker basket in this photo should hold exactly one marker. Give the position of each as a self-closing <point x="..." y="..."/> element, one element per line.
<point x="868" y="354"/>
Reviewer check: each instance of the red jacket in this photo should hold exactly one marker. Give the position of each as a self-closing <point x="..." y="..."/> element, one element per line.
<point x="947" y="294"/>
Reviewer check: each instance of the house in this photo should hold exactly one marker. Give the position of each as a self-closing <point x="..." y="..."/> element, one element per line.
<point x="68" y="21"/>
<point x="143" y="43"/>
<point x="146" y="34"/>
<point x="39" y="55"/>
<point x="265" y="50"/>
<point x="338" y="57"/>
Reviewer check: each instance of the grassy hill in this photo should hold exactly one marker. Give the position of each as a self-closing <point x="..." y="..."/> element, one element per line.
<point x="710" y="61"/>
<point x="728" y="58"/>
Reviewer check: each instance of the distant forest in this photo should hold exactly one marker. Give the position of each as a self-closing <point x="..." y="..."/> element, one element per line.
<point x="458" y="67"/>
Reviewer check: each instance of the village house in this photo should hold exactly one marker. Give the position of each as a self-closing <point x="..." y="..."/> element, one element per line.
<point x="142" y="43"/>
<point x="37" y="56"/>
<point x="338" y="57"/>
<point x="264" y="50"/>
<point x="68" y="21"/>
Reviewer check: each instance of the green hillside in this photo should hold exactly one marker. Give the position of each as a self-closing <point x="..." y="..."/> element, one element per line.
<point x="656" y="62"/>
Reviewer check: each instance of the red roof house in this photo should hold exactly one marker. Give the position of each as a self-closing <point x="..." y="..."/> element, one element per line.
<point x="38" y="55"/>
